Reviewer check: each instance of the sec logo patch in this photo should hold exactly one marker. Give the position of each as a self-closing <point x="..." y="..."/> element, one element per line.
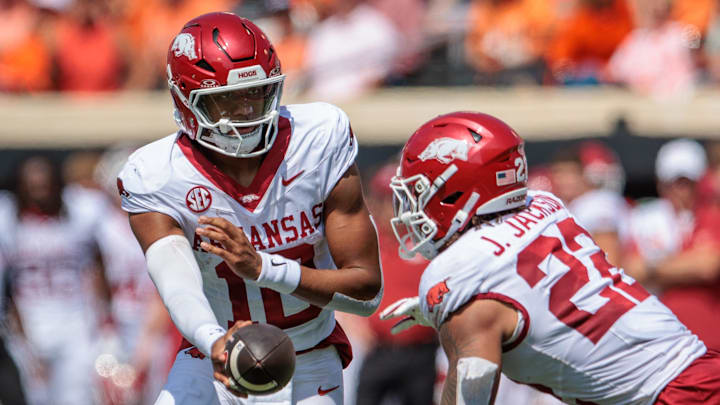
<point x="198" y="199"/>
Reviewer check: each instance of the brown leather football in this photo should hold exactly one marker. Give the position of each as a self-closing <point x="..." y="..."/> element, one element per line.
<point x="261" y="359"/>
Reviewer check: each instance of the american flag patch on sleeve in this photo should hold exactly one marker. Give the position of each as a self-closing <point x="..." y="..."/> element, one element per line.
<point x="505" y="177"/>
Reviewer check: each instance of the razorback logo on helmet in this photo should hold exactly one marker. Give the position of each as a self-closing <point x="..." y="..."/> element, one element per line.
<point x="435" y="294"/>
<point x="445" y="150"/>
<point x="184" y="44"/>
<point x="198" y="199"/>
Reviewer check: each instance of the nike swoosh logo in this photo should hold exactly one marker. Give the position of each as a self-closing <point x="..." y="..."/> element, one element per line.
<point x="325" y="392"/>
<point x="291" y="179"/>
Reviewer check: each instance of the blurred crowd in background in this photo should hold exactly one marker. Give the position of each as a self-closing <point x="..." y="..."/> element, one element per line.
<point x="337" y="49"/>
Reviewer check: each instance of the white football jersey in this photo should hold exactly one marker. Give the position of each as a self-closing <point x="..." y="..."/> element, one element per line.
<point x="49" y="258"/>
<point x="280" y="212"/>
<point x="589" y="333"/>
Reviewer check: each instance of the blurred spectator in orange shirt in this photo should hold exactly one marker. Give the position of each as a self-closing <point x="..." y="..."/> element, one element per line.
<point x="656" y="57"/>
<point x="584" y="43"/>
<point x="25" y="63"/>
<point x="507" y="38"/>
<point x="399" y="366"/>
<point x="151" y="25"/>
<point x="88" y="53"/>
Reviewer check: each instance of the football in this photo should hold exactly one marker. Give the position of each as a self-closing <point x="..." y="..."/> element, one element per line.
<point x="261" y="359"/>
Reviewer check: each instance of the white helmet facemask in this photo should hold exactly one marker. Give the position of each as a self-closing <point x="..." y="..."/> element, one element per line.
<point x="239" y="119"/>
<point x="413" y="228"/>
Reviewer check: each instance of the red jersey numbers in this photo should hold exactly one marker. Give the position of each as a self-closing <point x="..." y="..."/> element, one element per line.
<point x="435" y="294"/>
<point x="198" y="199"/>
<point x="271" y="299"/>
<point x="533" y="265"/>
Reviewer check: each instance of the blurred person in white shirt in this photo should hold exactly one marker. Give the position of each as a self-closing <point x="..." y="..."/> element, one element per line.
<point x="589" y="179"/>
<point x="656" y="58"/>
<point x="676" y="241"/>
<point x="140" y="320"/>
<point x="350" y="52"/>
<point x="55" y="282"/>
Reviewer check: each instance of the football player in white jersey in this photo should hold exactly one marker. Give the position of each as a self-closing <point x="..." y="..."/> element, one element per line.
<point x="52" y="250"/>
<point x="251" y="211"/>
<point x="516" y="285"/>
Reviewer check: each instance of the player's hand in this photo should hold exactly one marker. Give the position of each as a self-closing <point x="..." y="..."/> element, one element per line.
<point x="409" y="309"/>
<point x="236" y="250"/>
<point x="219" y="357"/>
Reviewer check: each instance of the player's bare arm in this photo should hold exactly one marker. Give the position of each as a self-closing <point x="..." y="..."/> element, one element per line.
<point x="149" y="227"/>
<point x="352" y="241"/>
<point x="701" y="264"/>
<point x="472" y="338"/>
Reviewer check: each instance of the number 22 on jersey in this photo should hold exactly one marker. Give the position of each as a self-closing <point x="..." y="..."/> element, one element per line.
<point x="546" y="256"/>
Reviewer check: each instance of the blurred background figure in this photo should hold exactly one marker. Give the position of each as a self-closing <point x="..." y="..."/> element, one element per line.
<point x="350" y="51"/>
<point x="140" y="351"/>
<point x="11" y="387"/>
<point x="25" y="56"/>
<point x="398" y="369"/>
<point x="676" y="241"/>
<point x="88" y="28"/>
<point x="56" y="285"/>
<point x="589" y="179"/>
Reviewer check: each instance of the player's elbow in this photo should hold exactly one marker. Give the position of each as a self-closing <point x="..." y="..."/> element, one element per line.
<point x="364" y="301"/>
<point x="371" y="289"/>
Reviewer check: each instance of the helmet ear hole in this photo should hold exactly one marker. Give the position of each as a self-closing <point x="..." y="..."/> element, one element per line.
<point x="452" y="198"/>
<point x="182" y="85"/>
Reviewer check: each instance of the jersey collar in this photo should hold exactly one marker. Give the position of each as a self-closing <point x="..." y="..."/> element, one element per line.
<point x="250" y="196"/>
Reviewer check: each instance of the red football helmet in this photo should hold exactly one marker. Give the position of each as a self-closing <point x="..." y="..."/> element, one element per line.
<point x="225" y="80"/>
<point x="454" y="167"/>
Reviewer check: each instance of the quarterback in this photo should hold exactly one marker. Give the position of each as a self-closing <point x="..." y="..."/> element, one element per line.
<point x="516" y="285"/>
<point x="251" y="211"/>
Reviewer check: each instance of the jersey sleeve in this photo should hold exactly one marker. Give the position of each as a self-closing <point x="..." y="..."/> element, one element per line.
<point x="342" y="147"/>
<point x="140" y="190"/>
<point x="446" y="286"/>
